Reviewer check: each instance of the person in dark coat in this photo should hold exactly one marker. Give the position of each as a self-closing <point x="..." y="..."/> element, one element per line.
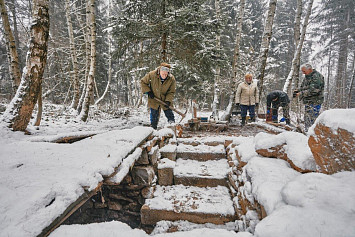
<point x="311" y="93"/>
<point x="274" y="100"/>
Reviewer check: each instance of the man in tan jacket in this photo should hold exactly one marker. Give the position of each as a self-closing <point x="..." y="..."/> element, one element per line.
<point x="159" y="83"/>
<point x="247" y="97"/>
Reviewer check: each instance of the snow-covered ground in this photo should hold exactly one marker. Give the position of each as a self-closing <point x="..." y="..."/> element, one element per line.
<point x="39" y="179"/>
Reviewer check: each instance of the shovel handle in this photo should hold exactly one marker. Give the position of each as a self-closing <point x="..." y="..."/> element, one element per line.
<point x="172" y="108"/>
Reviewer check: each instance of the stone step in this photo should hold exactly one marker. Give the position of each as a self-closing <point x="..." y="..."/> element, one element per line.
<point x="209" y="173"/>
<point x="194" y="204"/>
<point x="201" y="152"/>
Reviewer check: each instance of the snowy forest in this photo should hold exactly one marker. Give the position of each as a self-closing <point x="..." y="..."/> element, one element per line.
<point x="82" y="87"/>
<point x="99" y="50"/>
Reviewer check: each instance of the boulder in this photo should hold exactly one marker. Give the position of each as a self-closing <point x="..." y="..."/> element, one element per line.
<point x="333" y="149"/>
<point x="143" y="175"/>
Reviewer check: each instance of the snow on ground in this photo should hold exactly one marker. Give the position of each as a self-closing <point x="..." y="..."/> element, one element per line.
<point x="116" y="229"/>
<point x="39" y="180"/>
<point x="179" y="198"/>
<point x="296" y="147"/>
<point x="218" y="169"/>
<point x="268" y="176"/>
<point x="201" y="149"/>
<point x="35" y="173"/>
<point x="336" y="118"/>
<point x="317" y="205"/>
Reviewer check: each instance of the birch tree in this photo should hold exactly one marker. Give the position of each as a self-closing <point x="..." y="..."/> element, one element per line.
<point x="296" y="58"/>
<point x="226" y="115"/>
<point x="109" y="36"/>
<point x="218" y="69"/>
<point x="265" y="43"/>
<point x="90" y="80"/>
<point x="12" y="55"/>
<point x="19" y="111"/>
<point x="74" y="59"/>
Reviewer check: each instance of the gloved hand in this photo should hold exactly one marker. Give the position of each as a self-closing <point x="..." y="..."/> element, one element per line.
<point x="167" y="104"/>
<point x="268" y="111"/>
<point x="274" y="118"/>
<point x="151" y="94"/>
<point x="282" y="120"/>
<point x="256" y="104"/>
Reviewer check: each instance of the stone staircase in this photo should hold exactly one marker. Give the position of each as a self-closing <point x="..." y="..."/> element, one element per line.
<point x="192" y="186"/>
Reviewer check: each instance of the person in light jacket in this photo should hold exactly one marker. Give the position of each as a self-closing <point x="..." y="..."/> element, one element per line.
<point x="247" y="97"/>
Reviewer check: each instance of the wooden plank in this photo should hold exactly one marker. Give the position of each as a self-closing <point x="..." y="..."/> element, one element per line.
<point x="69" y="211"/>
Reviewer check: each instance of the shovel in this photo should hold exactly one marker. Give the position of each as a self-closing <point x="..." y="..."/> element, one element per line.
<point x="172" y="108"/>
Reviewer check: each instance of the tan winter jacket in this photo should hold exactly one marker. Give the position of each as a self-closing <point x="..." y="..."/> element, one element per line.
<point x="164" y="92"/>
<point x="247" y="94"/>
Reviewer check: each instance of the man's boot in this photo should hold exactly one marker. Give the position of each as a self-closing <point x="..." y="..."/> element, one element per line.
<point x="243" y="121"/>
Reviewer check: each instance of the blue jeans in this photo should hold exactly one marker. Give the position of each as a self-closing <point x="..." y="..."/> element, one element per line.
<point x="155" y="114"/>
<point x="311" y="114"/>
<point x="245" y="108"/>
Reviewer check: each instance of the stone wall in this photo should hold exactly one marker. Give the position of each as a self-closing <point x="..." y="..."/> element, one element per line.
<point x="123" y="201"/>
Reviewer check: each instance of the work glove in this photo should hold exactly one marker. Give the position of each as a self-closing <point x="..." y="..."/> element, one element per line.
<point x="274" y="118"/>
<point x="151" y="94"/>
<point x="268" y="111"/>
<point x="282" y="120"/>
<point x="167" y="104"/>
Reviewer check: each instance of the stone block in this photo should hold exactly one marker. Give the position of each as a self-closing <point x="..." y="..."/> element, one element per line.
<point x="333" y="150"/>
<point x="114" y="206"/>
<point x="143" y="175"/>
<point x="280" y="153"/>
<point x="153" y="155"/>
<point x="143" y="159"/>
<point x="166" y="176"/>
<point x="148" y="192"/>
<point x="166" y="172"/>
<point x="99" y="205"/>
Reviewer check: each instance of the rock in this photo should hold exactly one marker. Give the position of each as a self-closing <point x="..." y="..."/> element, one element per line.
<point x="153" y="155"/>
<point x="333" y="150"/>
<point x="120" y="197"/>
<point x="148" y="192"/>
<point x="279" y="152"/>
<point x="114" y="206"/>
<point x="165" y="175"/>
<point x="99" y="205"/>
<point x="143" y="159"/>
<point x="143" y="175"/>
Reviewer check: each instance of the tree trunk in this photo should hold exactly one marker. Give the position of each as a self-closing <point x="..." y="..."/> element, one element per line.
<point x="296" y="58"/>
<point x="90" y="81"/>
<point x="12" y="55"/>
<point x="297" y="36"/>
<point x="351" y="82"/>
<point x="342" y="64"/>
<point x="12" y="7"/>
<point x="265" y="43"/>
<point x="40" y="107"/>
<point x="218" y="69"/>
<point x="329" y="69"/>
<point x="74" y="59"/>
<point x="109" y="55"/>
<point x="18" y="113"/>
<point x="226" y="115"/>
<point x="164" y="36"/>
